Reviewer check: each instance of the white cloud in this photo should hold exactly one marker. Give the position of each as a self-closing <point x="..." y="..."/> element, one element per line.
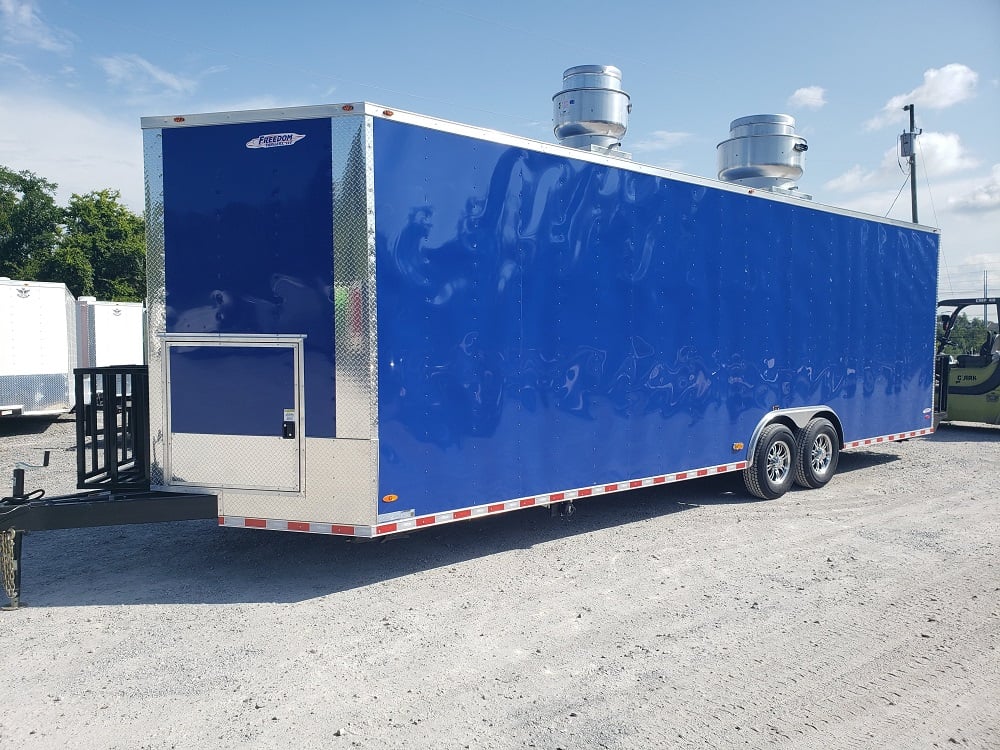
<point x="984" y="197"/>
<point x="810" y="97"/>
<point x="140" y="75"/>
<point x="854" y="179"/>
<point x="13" y="62"/>
<point x="938" y="154"/>
<point x="661" y="140"/>
<point x="967" y="249"/>
<point x="22" y="24"/>
<point x="79" y="150"/>
<point x="942" y="88"/>
<point x="213" y="69"/>
<point x="875" y="201"/>
<point x="983" y="259"/>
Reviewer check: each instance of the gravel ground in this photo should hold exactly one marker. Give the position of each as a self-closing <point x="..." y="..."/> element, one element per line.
<point x="862" y="615"/>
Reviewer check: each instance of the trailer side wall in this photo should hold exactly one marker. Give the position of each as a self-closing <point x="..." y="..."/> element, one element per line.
<point x="548" y="323"/>
<point x="357" y="318"/>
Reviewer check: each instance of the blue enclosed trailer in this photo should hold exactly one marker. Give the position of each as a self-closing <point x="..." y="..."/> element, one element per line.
<point x="364" y="321"/>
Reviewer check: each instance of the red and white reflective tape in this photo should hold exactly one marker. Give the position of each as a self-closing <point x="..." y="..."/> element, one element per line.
<point x="309" y="527"/>
<point x="417" y="522"/>
<point x="888" y="438"/>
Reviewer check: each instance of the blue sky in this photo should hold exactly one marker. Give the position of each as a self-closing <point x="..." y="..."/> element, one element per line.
<point x="75" y="77"/>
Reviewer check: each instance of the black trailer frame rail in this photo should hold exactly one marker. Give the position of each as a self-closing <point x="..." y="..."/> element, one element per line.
<point x="86" y="510"/>
<point x="112" y="462"/>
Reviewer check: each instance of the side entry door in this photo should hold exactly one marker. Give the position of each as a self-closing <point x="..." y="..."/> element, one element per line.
<point x="234" y="412"/>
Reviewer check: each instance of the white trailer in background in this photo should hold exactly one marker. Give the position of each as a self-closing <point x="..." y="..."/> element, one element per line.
<point x="37" y="348"/>
<point x="109" y="333"/>
<point x="45" y="334"/>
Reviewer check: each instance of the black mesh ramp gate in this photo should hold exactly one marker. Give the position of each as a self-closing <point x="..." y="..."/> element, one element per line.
<point x="112" y="427"/>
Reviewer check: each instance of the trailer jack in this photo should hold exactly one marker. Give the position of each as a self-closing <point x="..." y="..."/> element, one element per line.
<point x="11" y="539"/>
<point x="18" y="495"/>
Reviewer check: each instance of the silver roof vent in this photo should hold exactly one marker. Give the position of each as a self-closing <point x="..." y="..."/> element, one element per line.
<point x="763" y="151"/>
<point x="591" y="112"/>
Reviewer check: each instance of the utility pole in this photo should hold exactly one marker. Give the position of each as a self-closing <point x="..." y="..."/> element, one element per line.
<point x="908" y="148"/>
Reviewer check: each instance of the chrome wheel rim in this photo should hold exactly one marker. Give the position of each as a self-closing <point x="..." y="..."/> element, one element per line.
<point x="821" y="454"/>
<point x="779" y="462"/>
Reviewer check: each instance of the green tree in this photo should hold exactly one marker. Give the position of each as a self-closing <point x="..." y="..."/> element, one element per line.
<point x="65" y="264"/>
<point x="966" y="337"/>
<point x="29" y="221"/>
<point x="103" y="231"/>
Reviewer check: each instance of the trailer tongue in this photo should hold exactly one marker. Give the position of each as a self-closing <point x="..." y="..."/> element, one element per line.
<point x="112" y="468"/>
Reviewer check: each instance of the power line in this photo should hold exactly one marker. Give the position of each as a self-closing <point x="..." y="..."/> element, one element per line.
<point x="927" y="181"/>
<point x="897" y="195"/>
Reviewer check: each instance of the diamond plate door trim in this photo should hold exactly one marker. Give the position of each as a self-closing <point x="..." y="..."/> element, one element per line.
<point x="156" y="296"/>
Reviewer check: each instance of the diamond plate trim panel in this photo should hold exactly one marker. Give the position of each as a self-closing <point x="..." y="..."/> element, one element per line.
<point x="372" y="287"/>
<point x="234" y="462"/>
<point x="36" y="394"/>
<point x="353" y="259"/>
<point x="156" y="297"/>
<point x="339" y="491"/>
<point x="338" y="475"/>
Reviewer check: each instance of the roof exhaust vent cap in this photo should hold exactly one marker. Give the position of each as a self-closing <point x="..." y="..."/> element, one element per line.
<point x="591" y="112"/>
<point x="763" y="151"/>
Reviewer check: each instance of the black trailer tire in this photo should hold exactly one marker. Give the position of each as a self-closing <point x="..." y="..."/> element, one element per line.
<point x="817" y="452"/>
<point x="773" y="469"/>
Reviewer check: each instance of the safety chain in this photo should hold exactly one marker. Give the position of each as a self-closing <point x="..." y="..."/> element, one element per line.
<point x="8" y="565"/>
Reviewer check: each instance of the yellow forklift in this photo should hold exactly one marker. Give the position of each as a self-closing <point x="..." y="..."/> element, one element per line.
<point x="966" y="385"/>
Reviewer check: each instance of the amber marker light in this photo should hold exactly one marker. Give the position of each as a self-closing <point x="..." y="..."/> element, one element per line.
<point x="737" y="446"/>
<point x="390" y="498"/>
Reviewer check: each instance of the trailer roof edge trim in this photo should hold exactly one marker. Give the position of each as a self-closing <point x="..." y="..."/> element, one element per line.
<point x="26" y="282"/>
<point x="353" y="109"/>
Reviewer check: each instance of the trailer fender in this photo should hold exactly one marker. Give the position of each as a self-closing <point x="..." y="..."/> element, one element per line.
<point x="794" y="419"/>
